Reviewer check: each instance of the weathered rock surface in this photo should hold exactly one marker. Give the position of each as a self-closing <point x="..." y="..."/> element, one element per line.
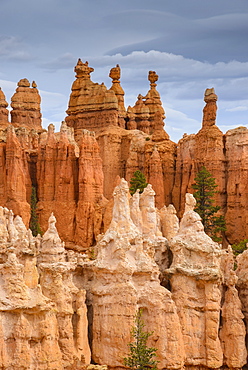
<point x="233" y="330"/>
<point x="195" y="281"/>
<point x="38" y="301"/>
<point x="236" y="189"/>
<point x="15" y="181"/>
<point x="125" y="279"/>
<point x="25" y="105"/>
<point x="44" y="324"/>
<point x="4" y="113"/>
<point x="206" y="148"/>
<point x="91" y="105"/>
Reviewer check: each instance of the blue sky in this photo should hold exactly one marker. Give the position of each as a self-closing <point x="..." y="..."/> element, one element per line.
<point x="192" y="45"/>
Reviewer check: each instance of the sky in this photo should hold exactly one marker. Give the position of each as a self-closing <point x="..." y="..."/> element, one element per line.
<point x="192" y="45"/>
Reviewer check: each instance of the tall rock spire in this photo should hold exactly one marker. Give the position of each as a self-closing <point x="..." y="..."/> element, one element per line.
<point x="115" y="74"/>
<point x="4" y="113"/>
<point x="210" y="109"/>
<point x="25" y="105"/>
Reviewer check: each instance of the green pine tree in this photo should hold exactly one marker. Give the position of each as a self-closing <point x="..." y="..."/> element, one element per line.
<point x="140" y="356"/>
<point x="240" y="247"/>
<point x="138" y="181"/>
<point x="204" y="188"/>
<point x="34" y="224"/>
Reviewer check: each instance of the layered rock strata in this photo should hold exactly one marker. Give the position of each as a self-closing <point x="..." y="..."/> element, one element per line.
<point x="91" y="106"/>
<point x="25" y="105"/>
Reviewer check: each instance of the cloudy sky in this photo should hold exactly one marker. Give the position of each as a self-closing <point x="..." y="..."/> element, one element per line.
<point x="191" y="44"/>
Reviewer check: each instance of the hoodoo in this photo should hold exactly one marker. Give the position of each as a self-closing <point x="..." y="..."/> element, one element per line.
<point x="69" y="297"/>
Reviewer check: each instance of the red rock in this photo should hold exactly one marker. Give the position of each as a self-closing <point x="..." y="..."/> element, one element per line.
<point x="57" y="164"/>
<point x="90" y="188"/>
<point x="16" y="167"/>
<point x="25" y="105"/>
<point x="4" y="113"/>
<point x="206" y="148"/>
<point x="91" y="106"/>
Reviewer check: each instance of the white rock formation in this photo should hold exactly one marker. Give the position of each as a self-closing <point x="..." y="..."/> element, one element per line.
<point x="126" y="279"/>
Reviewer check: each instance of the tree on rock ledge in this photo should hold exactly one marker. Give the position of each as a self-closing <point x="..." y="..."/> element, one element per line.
<point x="204" y="188"/>
<point x="138" y="181"/>
<point x="140" y="356"/>
<point x="34" y="223"/>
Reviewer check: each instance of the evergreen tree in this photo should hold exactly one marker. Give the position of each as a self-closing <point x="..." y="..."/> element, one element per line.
<point x="240" y="247"/>
<point x="204" y="188"/>
<point x="140" y="356"/>
<point x="138" y="181"/>
<point x="34" y="224"/>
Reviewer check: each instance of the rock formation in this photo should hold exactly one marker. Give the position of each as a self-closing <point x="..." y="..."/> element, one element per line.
<point x="38" y="301"/>
<point x="43" y="313"/>
<point x="206" y="148"/>
<point x="233" y="331"/>
<point x="125" y="279"/>
<point x="56" y="163"/>
<point x="195" y="281"/>
<point x="105" y="256"/>
<point x="128" y="140"/>
<point x="15" y="180"/>
<point x="115" y="74"/>
<point x="91" y="106"/>
<point x="236" y="190"/>
<point x="25" y="105"/>
<point x="4" y="113"/>
<point x="90" y="191"/>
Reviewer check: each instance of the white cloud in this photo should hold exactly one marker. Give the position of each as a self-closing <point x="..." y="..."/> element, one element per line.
<point x="11" y="48"/>
<point x="237" y="109"/>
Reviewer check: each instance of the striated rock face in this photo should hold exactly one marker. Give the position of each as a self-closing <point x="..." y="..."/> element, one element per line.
<point x="57" y="164"/>
<point x="15" y="181"/>
<point x="125" y="151"/>
<point x="38" y="301"/>
<point x="195" y="281"/>
<point x="74" y="185"/>
<point x="4" y="113"/>
<point x="148" y="114"/>
<point x="125" y="279"/>
<point x="25" y="105"/>
<point x="206" y="148"/>
<point x="242" y="266"/>
<point x="237" y="170"/>
<point x="90" y="192"/>
<point x="233" y="331"/>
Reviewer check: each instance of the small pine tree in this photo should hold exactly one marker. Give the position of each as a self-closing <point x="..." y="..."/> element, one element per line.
<point x="34" y="224"/>
<point x="204" y="188"/>
<point x="240" y="247"/>
<point x="140" y="356"/>
<point x="138" y="181"/>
